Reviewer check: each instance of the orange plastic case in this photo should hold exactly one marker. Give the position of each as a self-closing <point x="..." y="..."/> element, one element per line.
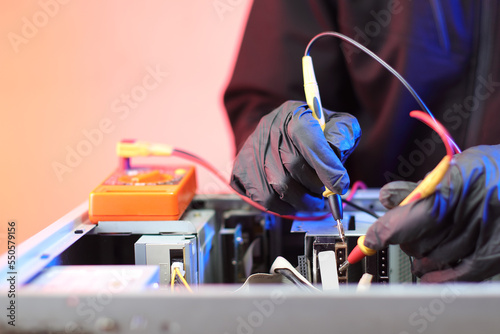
<point x="143" y="193"/>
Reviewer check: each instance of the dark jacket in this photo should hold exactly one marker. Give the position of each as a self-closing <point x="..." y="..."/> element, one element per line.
<point x="448" y="50"/>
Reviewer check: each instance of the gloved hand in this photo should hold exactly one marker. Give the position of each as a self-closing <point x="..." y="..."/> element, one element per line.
<point x="453" y="235"/>
<point x="286" y="162"/>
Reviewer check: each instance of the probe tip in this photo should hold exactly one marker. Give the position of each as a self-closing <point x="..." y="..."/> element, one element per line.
<point x="340" y="227"/>
<point x="344" y="266"/>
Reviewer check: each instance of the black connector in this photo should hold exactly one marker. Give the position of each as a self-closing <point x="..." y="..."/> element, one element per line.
<point x="341" y="256"/>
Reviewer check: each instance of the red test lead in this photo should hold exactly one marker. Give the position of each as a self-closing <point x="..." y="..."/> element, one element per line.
<point x="357" y="254"/>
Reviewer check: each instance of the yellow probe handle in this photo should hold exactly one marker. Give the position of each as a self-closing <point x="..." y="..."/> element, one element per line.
<point x="365" y="250"/>
<point x="142" y="149"/>
<point x="328" y="192"/>
<point x="313" y="99"/>
<point x="312" y="91"/>
<point x="429" y="183"/>
<point x="424" y="189"/>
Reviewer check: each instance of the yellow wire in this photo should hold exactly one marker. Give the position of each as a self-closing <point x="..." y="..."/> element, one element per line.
<point x="178" y="272"/>
<point x="172" y="281"/>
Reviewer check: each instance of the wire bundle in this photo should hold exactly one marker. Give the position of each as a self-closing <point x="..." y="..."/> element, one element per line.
<point x="177" y="273"/>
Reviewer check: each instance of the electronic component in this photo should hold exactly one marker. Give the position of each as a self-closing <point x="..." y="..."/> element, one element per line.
<point x="164" y="251"/>
<point x="390" y="265"/>
<point x="340" y="254"/>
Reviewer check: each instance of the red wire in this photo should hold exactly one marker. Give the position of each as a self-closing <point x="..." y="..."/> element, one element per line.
<point x="356" y="185"/>
<point x="215" y="171"/>
<point x="436" y="126"/>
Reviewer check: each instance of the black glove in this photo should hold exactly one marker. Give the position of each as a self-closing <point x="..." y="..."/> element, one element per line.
<point x="453" y="235"/>
<point x="286" y="162"/>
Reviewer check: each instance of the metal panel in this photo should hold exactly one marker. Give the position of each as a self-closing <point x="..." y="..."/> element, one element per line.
<point x="275" y="309"/>
<point x="44" y="247"/>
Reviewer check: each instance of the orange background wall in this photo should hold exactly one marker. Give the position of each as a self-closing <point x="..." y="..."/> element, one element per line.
<point x="75" y="78"/>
